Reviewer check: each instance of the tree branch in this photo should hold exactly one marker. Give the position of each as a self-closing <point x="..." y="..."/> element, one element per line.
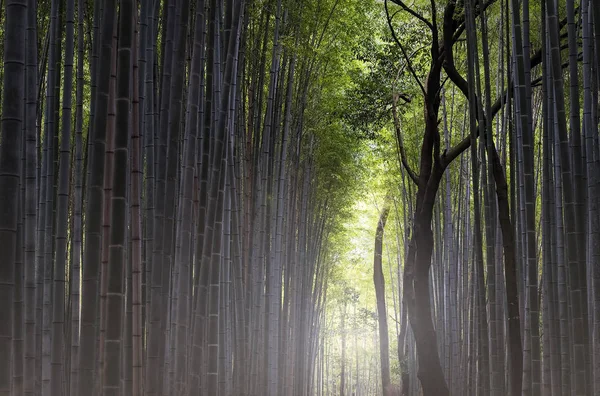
<point x="435" y="45"/>
<point x="464" y="144"/>
<point x="406" y="57"/>
<point x="450" y="155"/>
<point x="414" y="177"/>
<point x="461" y="27"/>
<point x="413" y="13"/>
<point x="461" y="83"/>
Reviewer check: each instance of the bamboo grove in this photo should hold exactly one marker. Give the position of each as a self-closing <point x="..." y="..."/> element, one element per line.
<point x="166" y="204"/>
<point x="176" y="178"/>
<point x="493" y="247"/>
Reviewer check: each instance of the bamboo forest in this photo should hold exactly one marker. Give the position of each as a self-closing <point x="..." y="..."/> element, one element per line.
<point x="299" y="198"/>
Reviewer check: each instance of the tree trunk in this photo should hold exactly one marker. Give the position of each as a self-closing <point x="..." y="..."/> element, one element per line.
<point x="10" y="172"/>
<point x="31" y="185"/>
<point x="379" y="281"/>
<point x="94" y="208"/>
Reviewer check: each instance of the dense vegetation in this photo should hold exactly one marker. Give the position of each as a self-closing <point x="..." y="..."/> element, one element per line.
<point x="316" y="197"/>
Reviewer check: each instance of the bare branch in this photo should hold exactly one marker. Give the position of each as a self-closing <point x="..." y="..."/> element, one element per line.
<point x="435" y="45"/>
<point x="454" y="152"/>
<point x="450" y="155"/>
<point x="477" y="12"/>
<point x="406" y="57"/>
<point x="414" y="177"/>
<point x="413" y="13"/>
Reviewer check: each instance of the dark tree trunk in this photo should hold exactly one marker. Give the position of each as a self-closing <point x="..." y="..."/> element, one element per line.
<point x="13" y="90"/>
<point x="379" y="281"/>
